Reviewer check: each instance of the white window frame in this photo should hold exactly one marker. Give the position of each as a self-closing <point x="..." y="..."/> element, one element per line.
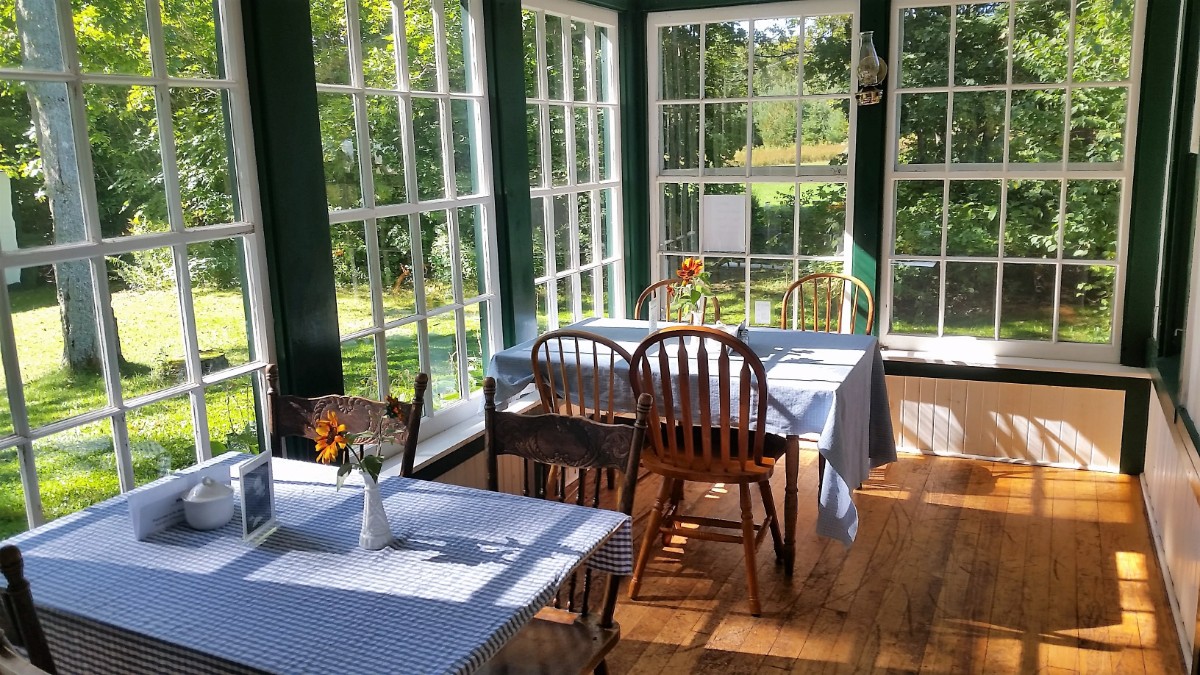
<point x="570" y="11"/>
<point x="798" y="174"/>
<point x="977" y="349"/>
<point x="370" y="213"/>
<point x="95" y="250"/>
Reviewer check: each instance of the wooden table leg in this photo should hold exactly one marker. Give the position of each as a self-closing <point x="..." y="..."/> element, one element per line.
<point x="790" y="499"/>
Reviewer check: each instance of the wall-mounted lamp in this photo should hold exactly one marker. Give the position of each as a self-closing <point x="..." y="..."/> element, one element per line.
<point x="872" y="71"/>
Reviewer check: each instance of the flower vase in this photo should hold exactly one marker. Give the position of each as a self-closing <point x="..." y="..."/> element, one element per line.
<point x="376" y="532"/>
<point x="697" y="317"/>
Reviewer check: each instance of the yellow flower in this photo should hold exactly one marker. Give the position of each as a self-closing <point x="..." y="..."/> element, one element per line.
<point x="330" y="437"/>
<point x="690" y="268"/>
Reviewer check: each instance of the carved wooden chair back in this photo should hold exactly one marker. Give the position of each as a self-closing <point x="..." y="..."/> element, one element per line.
<point x="298" y="416"/>
<point x="828" y="302"/>
<point x="665" y="291"/>
<point x="576" y="373"/>
<point x="20" y="621"/>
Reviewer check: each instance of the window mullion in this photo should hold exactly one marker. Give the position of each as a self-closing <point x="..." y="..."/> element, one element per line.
<point x="111" y="372"/>
<point x="165" y="120"/>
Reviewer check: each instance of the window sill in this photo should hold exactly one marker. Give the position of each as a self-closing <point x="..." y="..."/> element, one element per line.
<point x="1019" y="363"/>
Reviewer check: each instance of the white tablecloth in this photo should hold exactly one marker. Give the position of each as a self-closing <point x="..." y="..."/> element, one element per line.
<point x="471" y="568"/>
<point x="828" y="384"/>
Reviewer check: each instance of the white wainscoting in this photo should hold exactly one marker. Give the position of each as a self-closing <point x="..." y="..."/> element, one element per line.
<point x="473" y="473"/>
<point x="1030" y="423"/>
<point x="1171" y="483"/>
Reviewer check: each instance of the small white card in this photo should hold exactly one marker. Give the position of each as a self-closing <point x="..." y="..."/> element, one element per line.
<point x="723" y="223"/>
<point x="160" y="505"/>
<point x="256" y="489"/>
<point x="762" y="312"/>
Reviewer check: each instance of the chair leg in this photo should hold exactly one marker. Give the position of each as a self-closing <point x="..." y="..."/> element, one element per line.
<point x="648" y="537"/>
<point x="764" y="490"/>
<point x="601" y="669"/>
<point x="672" y="510"/>
<point x="612" y="477"/>
<point x="748" y="541"/>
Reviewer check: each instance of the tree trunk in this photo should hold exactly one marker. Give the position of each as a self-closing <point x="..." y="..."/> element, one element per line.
<point x="38" y="28"/>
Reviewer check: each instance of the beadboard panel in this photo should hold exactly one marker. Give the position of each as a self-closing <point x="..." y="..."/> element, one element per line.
<point x="1030" y="423"/>
<point x="473" y="473"/>
<point x="1171" y="484"/>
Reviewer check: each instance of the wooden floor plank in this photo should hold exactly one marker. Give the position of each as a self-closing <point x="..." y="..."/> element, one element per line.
<point x="960" y="566"/>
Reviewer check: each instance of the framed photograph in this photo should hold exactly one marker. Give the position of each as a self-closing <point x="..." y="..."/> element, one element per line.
<point x="256" y="490"/>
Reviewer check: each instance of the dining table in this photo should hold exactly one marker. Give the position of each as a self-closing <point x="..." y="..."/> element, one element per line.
<point x="827" y="387"/>
<point x="467" y="569"/>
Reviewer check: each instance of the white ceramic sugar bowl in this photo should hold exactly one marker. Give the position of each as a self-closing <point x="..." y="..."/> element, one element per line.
<point x="209" y="505"/>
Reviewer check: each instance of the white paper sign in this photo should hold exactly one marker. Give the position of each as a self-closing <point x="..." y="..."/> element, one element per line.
<point x="723" y="223"/>
<point x="160" y="505"/>
<point x="762" y="312"/>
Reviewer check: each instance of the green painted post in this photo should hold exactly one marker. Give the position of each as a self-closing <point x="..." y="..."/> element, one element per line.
<point x="870" y="156"/>
<point x="635" y="157"/>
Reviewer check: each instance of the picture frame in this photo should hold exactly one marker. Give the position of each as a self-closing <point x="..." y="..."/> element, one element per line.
<point x="256" y="496"/>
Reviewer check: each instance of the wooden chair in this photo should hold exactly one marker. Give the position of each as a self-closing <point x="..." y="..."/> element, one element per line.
<point x="571" y="639"/>
<point x="822" y="303"/>
<point x="297" y="416"/>
<point x="666" y="289"/>
<point x="692" y="441"/>
<point x="20" y="620"/>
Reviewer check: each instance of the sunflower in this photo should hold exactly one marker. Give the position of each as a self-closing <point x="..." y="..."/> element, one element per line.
<point x="690" y="268"/>
<point x="330" y="437"/>
<point x="393" y="407"/>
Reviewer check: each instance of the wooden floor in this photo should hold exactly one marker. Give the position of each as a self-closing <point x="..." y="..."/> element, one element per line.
<point x="960" y="566"/>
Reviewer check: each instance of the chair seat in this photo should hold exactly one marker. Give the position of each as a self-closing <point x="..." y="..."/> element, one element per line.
<point x="555" y="642"/>
<point x="735" y="472"/>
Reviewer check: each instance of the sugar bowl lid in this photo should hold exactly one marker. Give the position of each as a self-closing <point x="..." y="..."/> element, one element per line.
<point x="208" y="490"/>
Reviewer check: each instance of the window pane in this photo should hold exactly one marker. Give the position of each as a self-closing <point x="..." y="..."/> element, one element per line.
<point x="387" y="150"/>
<point x="922" y="129"/>
<point x="439" y="272"/>
<point x="776" y="57"/>
<point x="76" y="468"/>
<point x="1098" y="124"/>
<point x="403" y="360"/>
<point x="543" y="307"/>
<point x="728" y="279"/>
<point x="427" y="133"/>
<point x="825" y="132"/>
<point x="330" y="51"/>
<point x="608" y="224"/>
<point x="12" y="499"/>
<point x="11" y="54"/>
<point x="681" y="217"/>
<point x="978" y="127"/>
<point x="726" y="57"/>
<point x="681" y="136"/>
<point x="220" y="302"/>
<point x="204" y="157"/>
<point x="680" y="47"/>
<point x="396" y="268"/>
<point x="973" y="227"/>
<point x="925" y="46"/>
<point x="774" y="133"/>
<point x="1090" y="231"/>
<point x="123" y="131"/>
<point x="1037" y="125"/>
<point x="827" y="54"/>
<point x="6" y="422"/>
<point x="358" y="367"/>
<point x="1031" y="223"/>
<point x="233" y="416"/>
<point x="563" y="244"/>
<point x="769" y="278"/>
<point x="111" y="36"/>
<point x="603" y="65"/>
<point x="530" y="43"/>
<point x="191" y="37"/>
<point x="1103" y="40"/>
<point x="422" y="41"/>
<point x="919" y="217"/>
<point x="566" y="300"/>
<point x="472" y="254"/>
<point x="608" y="291"/>
<point x="980" y="44"/>
<point x="465" y="116"/>
<point x="1040" y="41"/>
<point x="459" y="48"/>
<point x="478" y="351"/>
<point x="351" y="276"/>
<point x="587" y="298"/>
<point x="772" y="218"/>
<point x="59" y="382"/>
<point x="606" y="167"/>
<point x="579" y="61"/>
<point x="724" y="135"/>
<point x="1085" y="304"/>
<point x="970" y="299"/>
<point x="378" y="43"/>
<point x="161" y="438"/>
<point x="533" y="140"/>
<point x="583" y="145"/>
<point x="1027" y="302"/>
<point x="585" y="244"/>
<point x="558" y="145"/>
<point x="915" y="293"/>
<point x="46" y="201"/>
<point x="822" y="218"/>
<point x="145" y="304"/>
<point x="537" y="219"/>
<point x="554" y="58"/>
<point x="339" y="146"/>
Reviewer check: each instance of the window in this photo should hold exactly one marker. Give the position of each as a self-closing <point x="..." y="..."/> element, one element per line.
<point x="403" y="114"/>
<point x="753" y="102"/>
<point x="573" y="127"/>
<point x="132" y="343"/>
<point x="1010" y="166"/>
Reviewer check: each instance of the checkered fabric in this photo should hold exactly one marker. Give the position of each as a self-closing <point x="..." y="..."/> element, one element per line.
<point x="832" y="385"/>
<point x="469" y="569"/>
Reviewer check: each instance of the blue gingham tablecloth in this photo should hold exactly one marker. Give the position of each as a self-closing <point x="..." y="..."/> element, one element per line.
<point x="470" y="569"/>
<point x="818" y="383"/>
